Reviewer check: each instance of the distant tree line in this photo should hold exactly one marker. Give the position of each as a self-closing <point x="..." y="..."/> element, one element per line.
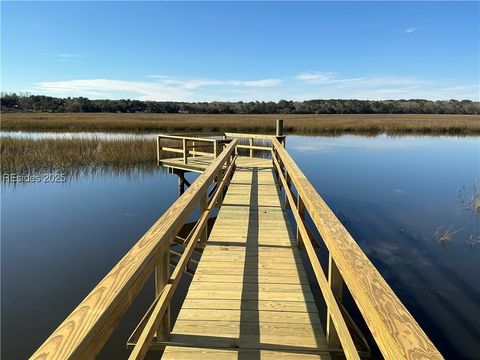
<point x="41" y="103"/>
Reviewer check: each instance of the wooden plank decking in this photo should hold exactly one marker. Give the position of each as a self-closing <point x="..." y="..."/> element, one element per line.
<point x="249" y="298"/>
<point x="196" y="164"/>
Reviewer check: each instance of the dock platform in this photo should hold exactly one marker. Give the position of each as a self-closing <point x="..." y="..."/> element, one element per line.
<point x="249" y="297"/>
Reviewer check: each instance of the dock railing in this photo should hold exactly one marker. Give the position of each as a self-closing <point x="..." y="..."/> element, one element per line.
<point x="191" y="145"/>
<point x="197" y="144"/>
<point x="85" y="331"/>
<point x="395" y="331"/>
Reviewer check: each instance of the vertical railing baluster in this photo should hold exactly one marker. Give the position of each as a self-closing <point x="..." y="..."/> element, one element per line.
<point x="203" y="207"/>
<point x="289" y="182"/>
<point x="301" y="211"/>
<point x="335" y="281"/>
<point x="158" y="150"/>
<point x="162" y="274"/>
<point x="185" y="154"/>
<point x="250" y="142"/>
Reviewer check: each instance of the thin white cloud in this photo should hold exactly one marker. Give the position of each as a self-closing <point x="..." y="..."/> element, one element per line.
<point x="257" y="83"/>
<point x="329" y="78"/>
<point x="462" y="87"/>
<point x="158" y="77"/>
<point x="324" y="78"/>
<point x="410" y="30"/>
<point x="163" y="89"/>
<point x="105" y="88"/>
<point x="66" y="57"/>
<point x="199" y="83"/>
<point x="303" y="86"/>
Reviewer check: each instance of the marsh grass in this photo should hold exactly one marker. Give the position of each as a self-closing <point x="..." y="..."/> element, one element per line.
<point x="444" y="235"/>
<point x="470" y="202"/>
<point x="20" y="156"/>
<point x="365" y="124"/>
<point x="93" y="155"/>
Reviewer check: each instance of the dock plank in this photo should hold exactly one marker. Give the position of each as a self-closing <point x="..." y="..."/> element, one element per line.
<point x="250" y="297"/>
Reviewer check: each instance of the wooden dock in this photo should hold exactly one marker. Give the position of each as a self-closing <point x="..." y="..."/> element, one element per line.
<point x="250" y="297"/>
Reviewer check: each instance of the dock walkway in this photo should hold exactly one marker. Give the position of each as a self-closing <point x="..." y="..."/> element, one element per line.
<point x="249" y="295"/>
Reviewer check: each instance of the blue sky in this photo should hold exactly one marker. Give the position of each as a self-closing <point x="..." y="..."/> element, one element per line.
<point x="230" y="51"/>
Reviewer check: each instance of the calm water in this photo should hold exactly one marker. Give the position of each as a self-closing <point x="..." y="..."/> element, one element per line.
<point x="399" y="197"/>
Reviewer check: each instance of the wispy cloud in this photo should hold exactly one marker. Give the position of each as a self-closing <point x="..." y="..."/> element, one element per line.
<point x="324" y="78"/>
<point x="410" y="30"/>
<point x="105" y="88"/>
<point x="329" y="78"/>
<point x="303" y="86"/>
<point x="66" y="57"/>
<point x="462" y="87"/>
<point x="164" y="88"/>
<point x="198" y="83"/>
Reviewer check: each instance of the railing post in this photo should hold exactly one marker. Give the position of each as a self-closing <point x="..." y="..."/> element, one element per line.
<point x="279" y="128"/>
<point x="181" y="181"/>
<point x="289" y="181"/>
<point x="215" y="146"/>
<point x="203" y="207"/>
<point x="158" y="150"/>
<point x="250" y="142"/>
<point x="301" y="211"/>
<point x="185" y="154"/>
<point x="193" y="149"/>
<point x="162" y="275"/>
<point x="279" y="133"/>
<point x="336" y="284"/>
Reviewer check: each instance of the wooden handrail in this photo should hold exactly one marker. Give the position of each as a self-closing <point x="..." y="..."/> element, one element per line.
<point x="254" y="147"/>
<point x="85" y="331"/>
<point x="190" y="138"/>
<point x="248" y="136"/>
<point x="190" y="149"/>
<point x="148" y="331"/>
<point x="337" y="317"/>
<point x="394" y="329"/>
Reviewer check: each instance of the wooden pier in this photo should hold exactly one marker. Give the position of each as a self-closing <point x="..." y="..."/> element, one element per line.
<point x="250" y="297"/>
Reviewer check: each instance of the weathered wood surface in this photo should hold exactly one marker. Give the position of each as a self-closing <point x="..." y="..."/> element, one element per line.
<point x="84" y="332"/>
<point x="249" y="298"/>
<point x="395" y="330"/>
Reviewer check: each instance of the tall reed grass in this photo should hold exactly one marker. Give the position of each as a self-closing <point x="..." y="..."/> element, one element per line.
<point x="23" y="155"/>
<point x="300" y="124"/>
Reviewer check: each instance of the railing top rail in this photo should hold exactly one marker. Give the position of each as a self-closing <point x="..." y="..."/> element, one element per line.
<point x="252" y="136"/>
<point x="202" y="136"/>
<point x="84" y="332"/>
<point x="192" y="138"/>
<point x="394" y="329"/>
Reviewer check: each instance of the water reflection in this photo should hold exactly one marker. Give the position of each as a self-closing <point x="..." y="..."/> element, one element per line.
<point x="104" y="136"/>
<point x="400" y="199"/>
<point x="397" y="197"/>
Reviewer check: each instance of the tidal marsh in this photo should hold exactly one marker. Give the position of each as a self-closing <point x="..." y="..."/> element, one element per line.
<point x="23" y="155"/>
<point x="364" y="124"/>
